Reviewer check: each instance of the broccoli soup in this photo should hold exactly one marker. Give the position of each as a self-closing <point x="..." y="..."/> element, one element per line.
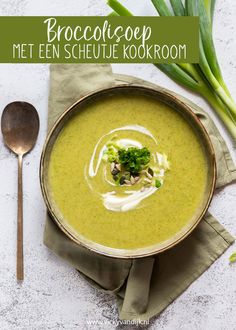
<point x="127" y="172"/>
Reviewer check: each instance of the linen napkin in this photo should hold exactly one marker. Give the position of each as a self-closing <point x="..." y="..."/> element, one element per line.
<point x="143" y="287"/>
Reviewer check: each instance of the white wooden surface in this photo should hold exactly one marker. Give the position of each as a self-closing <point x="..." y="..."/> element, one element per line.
<point x="53" y="295"/>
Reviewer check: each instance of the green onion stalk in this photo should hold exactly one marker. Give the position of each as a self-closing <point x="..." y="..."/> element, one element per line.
<point x="204" y="78"/>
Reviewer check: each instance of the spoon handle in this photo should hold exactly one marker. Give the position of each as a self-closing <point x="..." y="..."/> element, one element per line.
<point x="20" y="261"/>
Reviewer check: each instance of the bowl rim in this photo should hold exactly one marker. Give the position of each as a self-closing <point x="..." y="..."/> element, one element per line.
<point x="129" y="254"/>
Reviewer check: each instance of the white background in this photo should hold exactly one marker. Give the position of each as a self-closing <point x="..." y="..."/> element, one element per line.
<point x="53" y="295"/>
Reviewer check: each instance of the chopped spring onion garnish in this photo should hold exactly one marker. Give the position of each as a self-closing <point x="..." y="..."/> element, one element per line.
<point x="232" y="258"/>
<point x="157" y="183"/>
<point x="130" y="166"/>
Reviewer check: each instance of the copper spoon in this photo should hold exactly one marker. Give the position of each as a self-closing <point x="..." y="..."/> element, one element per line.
<point x="20" y="126"/>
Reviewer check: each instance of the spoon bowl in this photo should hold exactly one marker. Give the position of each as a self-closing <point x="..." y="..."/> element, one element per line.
<point x="20" y="127"/>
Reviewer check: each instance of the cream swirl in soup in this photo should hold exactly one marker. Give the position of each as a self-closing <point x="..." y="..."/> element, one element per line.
<point x="136" y="187"/>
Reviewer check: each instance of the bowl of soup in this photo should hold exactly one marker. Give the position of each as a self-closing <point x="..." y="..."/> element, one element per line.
<point x="128" y="171"/>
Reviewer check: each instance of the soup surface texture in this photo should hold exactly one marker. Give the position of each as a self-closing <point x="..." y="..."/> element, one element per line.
<point x="118" y="216"/>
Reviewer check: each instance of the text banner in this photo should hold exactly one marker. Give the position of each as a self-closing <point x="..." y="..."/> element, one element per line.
<point x="99" y="39"/>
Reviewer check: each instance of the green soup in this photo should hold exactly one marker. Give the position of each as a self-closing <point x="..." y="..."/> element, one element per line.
<point x="81" y="196"/>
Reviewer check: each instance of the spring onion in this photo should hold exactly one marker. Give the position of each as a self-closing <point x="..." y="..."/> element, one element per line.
<point x="204" y="78"/>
